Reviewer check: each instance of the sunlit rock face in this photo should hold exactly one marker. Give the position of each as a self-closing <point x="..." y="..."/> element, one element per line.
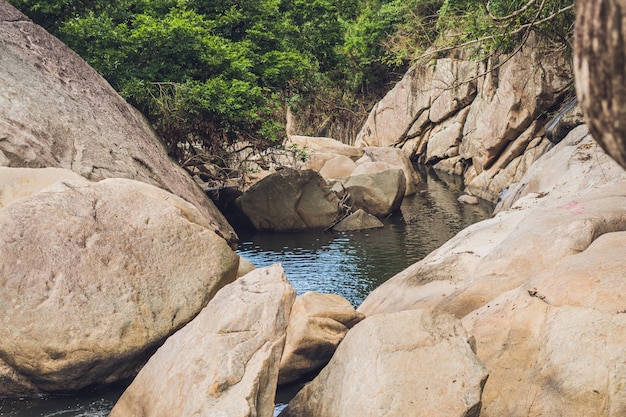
<point x="56" y="111"/>
<point x="94" y="276"/>
<point x="483" y="121"/>
<point x="225" y="362"/>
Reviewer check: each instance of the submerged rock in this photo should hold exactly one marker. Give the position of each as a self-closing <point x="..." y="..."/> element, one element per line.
<point x="92" y="280"/>
<point x="225" y="362"/>
<point x="401" y="364"/>
<point x="359" y="220"/>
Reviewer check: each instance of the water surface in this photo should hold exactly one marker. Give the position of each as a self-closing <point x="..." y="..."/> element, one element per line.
<point x="350" y="264"/>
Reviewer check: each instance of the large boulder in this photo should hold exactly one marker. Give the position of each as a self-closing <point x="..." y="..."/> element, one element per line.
<point x="323" y="145"/>
<point x="511" y="99"/>
<point x="559" y="339"/>
<point x="376" y="187"/>
<point x="401" y="364"/>
<point x="92" y="280"/>
<point x="539" y="286"/>
<point x="395" y="158"/>
<point x="290" y="200"/>
<point x="426" y="94"/>
<point x="318" y="323"/>
<point x="359" y="220"/>
<point x="599" y="56"/>
<point x="21" y="182"/>
<point x="225" y="362"/>
<point x="56" y="111"/>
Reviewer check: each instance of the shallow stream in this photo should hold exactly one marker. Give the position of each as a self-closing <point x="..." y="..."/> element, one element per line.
<point x="350" y="264"/>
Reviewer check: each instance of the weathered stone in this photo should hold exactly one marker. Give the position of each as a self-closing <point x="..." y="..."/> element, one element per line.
<point x="318" y="323"/>
<point x="225" y="362"/>
<point x="396" y="158"/>
<point x="468" y="199"/>
<point x="447" y="138"/>
<point x="339" y="167"/>
<point x="21" y="182"/>
<point x="599" y="56"/>
<point x="425" y="94"/>
<point x="401" y="364"/>
<point x="539" y="286"/>
<point x="376" y="188"/>
<point x="575" y="199"/>
<point x="92" y="279"/>
<point x="565" y="121"/>
<point x="359" y="220"/>
<point x="510" y="99"/>
<point x="324" y="145"/>
<point x="290" y="200"/>
<point x="559" y="339"/>
<point x="56" y="111"/>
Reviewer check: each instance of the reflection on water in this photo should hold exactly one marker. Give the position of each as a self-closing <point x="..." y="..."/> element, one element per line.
<point x="350" y="264"/>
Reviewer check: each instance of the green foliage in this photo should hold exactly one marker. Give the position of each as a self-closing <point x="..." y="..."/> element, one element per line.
<point x="210" y="73"/>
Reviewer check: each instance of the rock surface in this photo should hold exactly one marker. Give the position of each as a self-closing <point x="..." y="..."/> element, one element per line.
<point x="538" y="286"/>
<point x="376" y="188"/>
<point x="290" y="200"/>
<point x="318" y="323"/>
<point x="359" y="220"/>
<point x="488" y="124"/>
<point x="21" y="182"/>
<point x="225" y="362"/>
<point x="56" y="111"/>
<point x="401" y="364"/>
<point x="600" y="52"/>
<point x="395" y="158"/>
<point x="92" y="280"/>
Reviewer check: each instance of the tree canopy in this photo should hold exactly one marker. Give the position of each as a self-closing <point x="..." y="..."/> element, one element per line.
<point x="207" y="74"/>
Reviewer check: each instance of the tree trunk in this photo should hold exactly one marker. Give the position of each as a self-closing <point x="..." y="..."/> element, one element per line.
<point x="600" y="71"/>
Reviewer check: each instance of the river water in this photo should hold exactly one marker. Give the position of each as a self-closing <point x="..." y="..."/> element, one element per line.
<point x="350" y="264"/>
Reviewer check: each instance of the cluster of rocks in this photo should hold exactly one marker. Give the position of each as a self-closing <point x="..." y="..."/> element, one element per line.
<point x="483" y="121"/>
<point x="340" y="187"/>
<point x="113" y="264"/>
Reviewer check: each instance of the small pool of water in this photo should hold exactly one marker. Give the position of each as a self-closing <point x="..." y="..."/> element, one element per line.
<point x="350" y="264"/>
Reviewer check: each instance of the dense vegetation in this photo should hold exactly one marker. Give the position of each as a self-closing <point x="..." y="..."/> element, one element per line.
<point x="211" y="73"/>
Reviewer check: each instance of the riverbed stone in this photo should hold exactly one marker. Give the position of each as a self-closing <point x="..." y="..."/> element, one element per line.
<point x="538" y="286"/>
<point x="563" y="339"/>
<point x="339" y="167"/>
<point x="396" y="158"/>
<point x="318" y="323"/>
<point x="56" y="111"/>
<point x="376" y="188"/>
<point x="290" y="200"/>
<point x="401" y="364"/>
<point x="225" y="362"/>
<point x="359" y="220"/>
<point x="93" y="280"/>
<point x="323" y="145"/>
